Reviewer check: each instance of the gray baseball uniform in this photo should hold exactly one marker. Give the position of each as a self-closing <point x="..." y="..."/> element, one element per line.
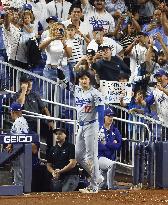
<point x="87" y="136"/>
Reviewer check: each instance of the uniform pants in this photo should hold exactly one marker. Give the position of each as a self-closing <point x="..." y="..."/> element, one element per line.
<point x="86" y="150"/>
<point x="107" y="168"/>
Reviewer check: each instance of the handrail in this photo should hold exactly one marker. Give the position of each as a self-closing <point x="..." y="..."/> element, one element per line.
<point x="40" y="116"/>
<point x="137" y="123"/>
<point x="48" y="101"/>
<point x="140" y="115"/>
<point x="29" y="72"/>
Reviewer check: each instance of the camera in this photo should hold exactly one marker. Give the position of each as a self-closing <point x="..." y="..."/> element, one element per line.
<point x="61" y="31"/>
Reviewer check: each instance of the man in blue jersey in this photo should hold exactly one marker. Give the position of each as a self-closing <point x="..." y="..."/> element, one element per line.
<point x="109" y="142"/>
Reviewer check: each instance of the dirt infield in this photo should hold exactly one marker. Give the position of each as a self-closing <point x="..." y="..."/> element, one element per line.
<point x="131" y="197"/>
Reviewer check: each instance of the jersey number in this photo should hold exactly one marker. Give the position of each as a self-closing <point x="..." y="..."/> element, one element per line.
<point x="88" y="108"/>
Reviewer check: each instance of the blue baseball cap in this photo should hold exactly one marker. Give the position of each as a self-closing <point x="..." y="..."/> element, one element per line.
<point x="27" y="7"/>
<point x="54" y="18"/>
<point x="15" y="106"/>
<point x="160" y="72"/>
<point x="108" y="112"/>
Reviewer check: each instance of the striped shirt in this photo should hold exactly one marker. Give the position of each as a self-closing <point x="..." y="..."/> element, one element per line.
<point x="126" y="40"/>
<point x="77" y="48"/>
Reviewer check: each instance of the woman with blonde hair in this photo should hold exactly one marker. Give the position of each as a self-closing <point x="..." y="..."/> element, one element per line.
<point x="57" y="52"/>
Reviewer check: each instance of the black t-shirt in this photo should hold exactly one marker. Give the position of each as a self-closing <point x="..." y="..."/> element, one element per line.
<point x="110" y="70"/>
<point x="59" y="157"/>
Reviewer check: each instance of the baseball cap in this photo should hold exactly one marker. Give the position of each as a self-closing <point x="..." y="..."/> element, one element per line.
<point x="108" y="112"/>
<point x="98" y="28"/>
<point x="105" y="45"/>
<point x="27" y="7"/>
<point x="54" y="18"/>
<point x="15" y="106"/>
<point x="55" y="131"/>
<point x="90" y="52"/>
<point x="25" y="78"/>
<point x="160" y="73"/>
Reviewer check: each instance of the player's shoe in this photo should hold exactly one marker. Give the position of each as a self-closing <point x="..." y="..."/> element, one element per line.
<point x="88" y="190"/>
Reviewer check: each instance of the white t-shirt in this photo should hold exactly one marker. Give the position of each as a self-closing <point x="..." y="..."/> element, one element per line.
<point x="55" y="53"/>
<point x="20" y="126"/>
<point x="137" y="57"/>
<point x="92" y="17"/>
<point x="106" y="41"/>
<point x="58" y="9"/>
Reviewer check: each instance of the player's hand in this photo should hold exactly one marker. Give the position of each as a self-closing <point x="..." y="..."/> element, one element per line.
<point x="24" y="87"/>
<point x="56" y="173"/>
<point x="115" y="141"/>
<point x="9" y="148"/>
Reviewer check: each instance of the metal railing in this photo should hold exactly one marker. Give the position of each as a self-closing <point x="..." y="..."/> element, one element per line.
<point x="49" y="90"/>
<point x="159" y="130"/>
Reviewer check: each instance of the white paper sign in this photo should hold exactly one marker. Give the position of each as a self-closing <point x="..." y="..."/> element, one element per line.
<point x="113" y="90"/>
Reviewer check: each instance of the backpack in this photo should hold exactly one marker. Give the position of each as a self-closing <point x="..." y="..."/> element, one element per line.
<point x="33" y="52"/>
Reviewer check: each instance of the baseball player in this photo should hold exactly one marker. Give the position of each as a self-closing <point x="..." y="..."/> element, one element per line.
<point x="159" y="96"/>
<point x="90" y="111"/>
<point x="108" y="142"/>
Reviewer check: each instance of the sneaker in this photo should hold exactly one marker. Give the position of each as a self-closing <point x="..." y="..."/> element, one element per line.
<point x="88" y="191"/>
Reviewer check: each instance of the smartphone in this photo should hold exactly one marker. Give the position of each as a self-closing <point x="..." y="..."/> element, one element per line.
<point x="61" y="30"/>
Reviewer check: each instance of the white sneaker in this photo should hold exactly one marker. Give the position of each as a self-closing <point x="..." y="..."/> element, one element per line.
<point x="88" y="191"/>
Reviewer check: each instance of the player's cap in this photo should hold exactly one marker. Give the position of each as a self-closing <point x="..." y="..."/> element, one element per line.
<point x="27" y="7"/>
<point x="15" y="106"/>
<point x="98" y="28"/>
<point x="25" y="78"/>
<point x="90" y="52"/>
<point x="54" y="18"/>
<point x="83" y="73"/>
<point x="160" y="73"/>
<point x="59" y="130"/>
<point x="108" y="112"/>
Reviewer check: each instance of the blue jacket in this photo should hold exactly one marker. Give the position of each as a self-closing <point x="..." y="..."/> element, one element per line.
<point x="108" y="149"/>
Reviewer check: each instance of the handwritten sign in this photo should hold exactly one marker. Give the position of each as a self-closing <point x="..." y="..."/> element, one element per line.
<point x="113" y="90"/>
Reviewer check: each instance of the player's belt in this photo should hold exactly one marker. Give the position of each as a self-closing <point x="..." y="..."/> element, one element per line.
<point x="82" y="123"/>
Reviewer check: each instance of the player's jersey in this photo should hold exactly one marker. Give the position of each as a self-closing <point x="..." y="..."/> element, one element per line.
<point x="161" y="101"/>
<point x="86" y="103"/>
<point x="20" y="126"/>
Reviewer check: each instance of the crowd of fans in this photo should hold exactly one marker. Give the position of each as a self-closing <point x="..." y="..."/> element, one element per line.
<point x="110" y="39"/>
<point x="114" y="40"/>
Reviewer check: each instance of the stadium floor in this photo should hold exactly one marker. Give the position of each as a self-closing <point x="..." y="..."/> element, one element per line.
<point x="118" y="197"/>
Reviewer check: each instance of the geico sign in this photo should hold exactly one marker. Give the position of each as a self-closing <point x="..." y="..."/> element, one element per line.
<point x="17" y="138"/>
